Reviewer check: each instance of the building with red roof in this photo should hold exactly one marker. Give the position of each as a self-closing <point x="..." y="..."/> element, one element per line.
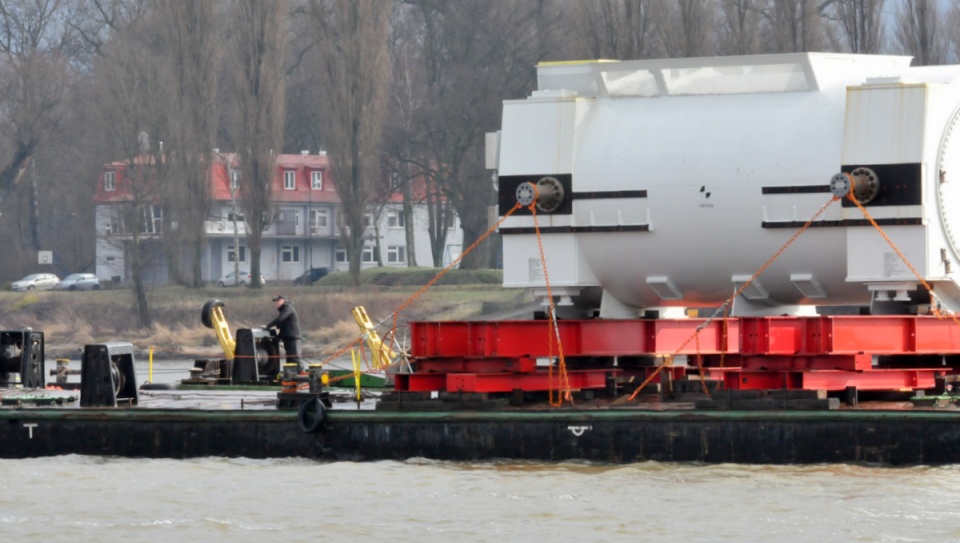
<point x="304" y="233"/>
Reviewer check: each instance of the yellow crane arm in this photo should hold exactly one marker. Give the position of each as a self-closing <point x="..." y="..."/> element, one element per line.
<point x="227" y="343"/>
<point x="383" y="355"/>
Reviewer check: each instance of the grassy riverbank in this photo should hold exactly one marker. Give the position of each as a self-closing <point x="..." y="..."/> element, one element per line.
<point x="70" y="320"/>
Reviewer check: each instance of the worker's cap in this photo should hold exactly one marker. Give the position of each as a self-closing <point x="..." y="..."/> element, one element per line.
<point x="278" y="297"/>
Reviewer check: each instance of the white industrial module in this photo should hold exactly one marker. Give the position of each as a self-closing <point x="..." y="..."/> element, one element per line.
<point x="666" y="184"/>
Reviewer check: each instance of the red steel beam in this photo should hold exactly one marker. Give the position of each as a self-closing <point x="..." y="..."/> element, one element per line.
<point x="849" y="362"/>
<point x="631" y="375"/>
<point x="515" y="339"/>
<point x="826" y="352"/>
<point x="876" y="334"/>
<point x="528" y="382"/>
<point x="416" y="382"/>
<point x="475" y="365"/>
<point x="882" y="379"/>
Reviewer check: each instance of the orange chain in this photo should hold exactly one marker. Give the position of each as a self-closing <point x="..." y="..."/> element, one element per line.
<point x="564" y="381"/>
<point x="934" y="307"/>
<point x="669" y="360"/>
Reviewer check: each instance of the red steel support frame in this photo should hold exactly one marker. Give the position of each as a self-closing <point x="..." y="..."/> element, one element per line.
<point x="515" y="339"/>
<point x="827" y="352"/>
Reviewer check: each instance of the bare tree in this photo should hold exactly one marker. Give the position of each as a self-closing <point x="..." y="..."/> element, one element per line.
<point x="133" y="115"/>
<point x="192" y="56"/>
<point x="917" y="31"/>
<point x="303" y="129"/>
<point x="468" y="69"/>
<point x="35" y="46"/>
<point x="401" y="157"/>
<point x="952" y="30"/>
<point x="351" y="36"/>
<point x="860" y="23"/>
<point x="795" y="26"/>
<point x="259" y="44"/>
<point x="686" y="28"/>
<point x="440" y="216"/>
<point x="738" y="27"/>
<point x="619" y="29"/>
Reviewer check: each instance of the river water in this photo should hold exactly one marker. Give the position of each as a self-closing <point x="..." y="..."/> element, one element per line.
<point x="77" y="498"/>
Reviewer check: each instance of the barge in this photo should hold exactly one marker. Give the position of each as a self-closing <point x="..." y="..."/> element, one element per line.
<point x="676" y="420"/>
<point x="631" y="435"/>
<point x="740" y="259"/>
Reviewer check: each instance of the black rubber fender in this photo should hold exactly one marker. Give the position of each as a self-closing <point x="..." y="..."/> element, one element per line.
<point x="206" y="312"/>
<point x="312" y="415"/>
<point x="158" y="386"/>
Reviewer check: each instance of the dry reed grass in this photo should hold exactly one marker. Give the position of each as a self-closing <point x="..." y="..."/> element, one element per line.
<point x="71" y="320"/>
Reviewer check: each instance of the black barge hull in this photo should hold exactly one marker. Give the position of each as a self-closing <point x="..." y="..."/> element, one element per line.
<point x="609" y="436"/>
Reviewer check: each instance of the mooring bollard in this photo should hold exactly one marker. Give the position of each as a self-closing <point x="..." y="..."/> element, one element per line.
<point x="108" y="376"/>
<point x="21" y="352"/>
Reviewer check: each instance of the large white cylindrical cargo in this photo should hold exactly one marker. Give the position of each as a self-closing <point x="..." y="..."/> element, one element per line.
<point x="674" y="181"/>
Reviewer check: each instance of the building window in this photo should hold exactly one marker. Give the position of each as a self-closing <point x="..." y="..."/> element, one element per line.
<point x="152" y="219"/>
<point x="115" y="226"/>
<point x="397" y="254"/>
<point x="316" y="180"/>
<point x="232" y="254"/>
<point x="395" y="219"/>
<point x="234" y="179"/>
<point x="289" y="180"/>
<point x="450" y="219"/>
<point x="291" y="216"/>
<point x="287" y="222"/>
<point x="340" y="255"/>
<point x="318" y="221"/>
<point x="369" y="254"/>
<point x="109" y="181"/>
<point x="367" y="219"/>
<point x="238" y="216"/>
<point x="290" y="253"/>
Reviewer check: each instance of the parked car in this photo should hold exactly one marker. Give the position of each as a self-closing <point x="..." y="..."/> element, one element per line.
<point x="79" y="281"/>
<point x="36" y="281"/>
<point x="311" y="276"/>
<point x="231" y="279"/>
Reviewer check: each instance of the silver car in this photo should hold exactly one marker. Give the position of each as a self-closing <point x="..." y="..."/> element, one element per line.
<point x="231" y="279"/>
<point x="36" y="281"/>
<point x="79" y="281"/>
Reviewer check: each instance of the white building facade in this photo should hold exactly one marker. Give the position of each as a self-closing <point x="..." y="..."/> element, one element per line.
<point x="304" y="232"/>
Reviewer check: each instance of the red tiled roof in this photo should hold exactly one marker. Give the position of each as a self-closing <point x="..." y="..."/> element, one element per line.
<point x="302" y="166"/>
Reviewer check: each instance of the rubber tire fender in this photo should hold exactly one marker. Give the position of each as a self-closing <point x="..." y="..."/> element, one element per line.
<point x="205" y="313"/>
<point x="312" y="415"/>
<point x="158" y="386"/>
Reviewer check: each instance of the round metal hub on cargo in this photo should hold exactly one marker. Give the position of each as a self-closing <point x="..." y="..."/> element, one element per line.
<point x="840" y="185"/>
<point x="549" y="194"/>
<point x="866" y="184"/>
<point x="525" y="194"/>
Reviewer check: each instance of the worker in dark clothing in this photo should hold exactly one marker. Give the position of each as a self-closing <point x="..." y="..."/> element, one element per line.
<point x="288" y="329"/>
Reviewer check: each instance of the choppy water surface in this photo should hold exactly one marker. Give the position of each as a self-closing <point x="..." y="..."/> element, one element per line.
<point x="76" y="498"/>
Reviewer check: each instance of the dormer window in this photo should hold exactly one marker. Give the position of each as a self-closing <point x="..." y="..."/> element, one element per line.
<point x="109" y="181"/>
<point x="289" y="180"/>
<point x="316" y="180"/>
